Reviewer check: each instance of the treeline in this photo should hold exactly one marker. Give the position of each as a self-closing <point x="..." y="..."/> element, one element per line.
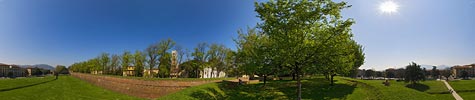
<point x="401" y="73"/>
<point x="158" y="57"/>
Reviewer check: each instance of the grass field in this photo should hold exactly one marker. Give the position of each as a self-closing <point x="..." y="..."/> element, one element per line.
<point x="64" y="88"/>
<point x="317" y="88"/>
<point x="465" y="88"/>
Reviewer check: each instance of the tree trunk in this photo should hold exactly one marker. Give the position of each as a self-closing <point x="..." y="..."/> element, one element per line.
<point x="265" y="78"/>
<point x="331" y="80"/>
<point x="293" y="76"/>
<point x="326" y="76"/>
<point x="299" y="84"/>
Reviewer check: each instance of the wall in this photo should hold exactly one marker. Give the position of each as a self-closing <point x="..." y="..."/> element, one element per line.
<point x="139" y="88"/>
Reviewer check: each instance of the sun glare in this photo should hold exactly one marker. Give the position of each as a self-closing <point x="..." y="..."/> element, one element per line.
<point x="388" y="7"/>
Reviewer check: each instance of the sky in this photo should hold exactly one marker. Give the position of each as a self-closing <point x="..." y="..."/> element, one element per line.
<point x="61" y="32"/>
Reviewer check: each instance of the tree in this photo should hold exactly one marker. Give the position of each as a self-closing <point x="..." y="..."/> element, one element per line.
<point x="370" y="73"/>
<point x="163" y="47"/>
<point x="390" y="74"/>
<point x="126" y="60"/>
<point x="60" y="69"/>
<point x="464" y="74"/>
<point x="217" y="55"/>
<point x="181" y="53"/>
<point x="191" y="68"/>
<point x="139" y="60"/>
<point x="446" y="73"/>
<point x="255" y="53"/>
<point x="200" y="55"/>
<point x="165" y="64"/>
<point x="115" y="60"/>
<point x="152" y="55"/>
<point x="435" y="72"/>
<point x="304" y="33"/>
<point x="105" y="60"/>
<point x="413" y="73"/>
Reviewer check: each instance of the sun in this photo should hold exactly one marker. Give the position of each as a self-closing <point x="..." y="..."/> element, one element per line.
<point x="388" y="7"/>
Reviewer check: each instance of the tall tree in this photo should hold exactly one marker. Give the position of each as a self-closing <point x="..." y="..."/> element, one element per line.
<point x="435" y="72"/>
<point x="126" y="60"/>
<point x="413" y="73"/>
<point x="255" y="53"/>
<point x="165" y="65"/>
<point x="152" y="60"/>
<point x="105" y="60"/>
<point x="181" y="53"/>
<point x="139" y="60"/>
<point x="163" y="47"/>
<point x="115" y="59"/>
<point x="299" y="31"/>
<point x="200" y="55"/>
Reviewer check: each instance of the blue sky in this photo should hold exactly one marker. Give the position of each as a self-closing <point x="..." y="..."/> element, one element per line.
<point x="435" y="32"/>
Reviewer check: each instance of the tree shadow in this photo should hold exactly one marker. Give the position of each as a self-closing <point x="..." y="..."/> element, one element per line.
<point x="30" y="85"/>
<point x="317" y="88"/>
<point x="320" y="89"/>
<point x="418" y="87"/>
<point x="208" y="94"/>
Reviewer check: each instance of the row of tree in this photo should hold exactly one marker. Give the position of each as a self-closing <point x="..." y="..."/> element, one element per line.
<point x="158" y="56"/>
<point x="400" y="73"/>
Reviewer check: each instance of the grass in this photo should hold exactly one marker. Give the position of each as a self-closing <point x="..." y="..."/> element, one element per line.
<point x="64" y="88"/>
<point x="426" y="90"/>
<point x="465" y="88"/>
<point x="317" y="89"/>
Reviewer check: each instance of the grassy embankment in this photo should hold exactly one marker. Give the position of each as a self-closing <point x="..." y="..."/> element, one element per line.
<point x="465" y="88"/>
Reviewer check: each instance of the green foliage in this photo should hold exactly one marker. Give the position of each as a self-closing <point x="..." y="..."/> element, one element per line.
<point x="165" y="65"/>
<point x="127" y="58"/>
<point x="60" y="69"/>
<point x="414" y="73"/>
<point x="105" y="63"/>
<point x="115" y="66"/>
<point x="139" y="63"/>
<point x="300" y="37"/>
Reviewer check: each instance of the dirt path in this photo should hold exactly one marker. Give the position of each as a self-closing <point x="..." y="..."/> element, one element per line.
<point x="456" y="96"/>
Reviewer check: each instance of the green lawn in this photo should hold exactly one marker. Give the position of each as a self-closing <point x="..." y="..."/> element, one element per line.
<point x="465" y="88"/>
<point x="426" y="90"/>
<point x="64" y="88"/>
<point x="317" y="89"/>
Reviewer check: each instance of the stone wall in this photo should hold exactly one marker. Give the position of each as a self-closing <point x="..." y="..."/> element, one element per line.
<point x="139" y="88"/>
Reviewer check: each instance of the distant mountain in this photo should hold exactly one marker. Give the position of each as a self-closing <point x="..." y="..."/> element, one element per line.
<point x="43" y="66"/>
<point x="438" y="66"/>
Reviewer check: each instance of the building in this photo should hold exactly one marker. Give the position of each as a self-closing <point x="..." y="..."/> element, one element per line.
<point x="148" y="72"/>
<point x="457" y="70"/>
<point x="175" y="69"/>
<point x="209" y="73"/>
<point x="129" y="71"/>
<point x="96" y="72"/>
<point x="11" y="71"/>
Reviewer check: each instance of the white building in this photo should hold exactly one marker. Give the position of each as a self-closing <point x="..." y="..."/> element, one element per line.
<point x="206" y="73"/>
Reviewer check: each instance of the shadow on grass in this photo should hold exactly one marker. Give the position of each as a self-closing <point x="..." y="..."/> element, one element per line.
<point x="30" y="85"/>
<point x="317" y="88"/>
<point x="418" y="87"/>
<point x="209" y="94"/>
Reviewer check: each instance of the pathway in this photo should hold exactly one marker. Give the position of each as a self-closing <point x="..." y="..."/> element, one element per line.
<point x="456" y="96"/>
